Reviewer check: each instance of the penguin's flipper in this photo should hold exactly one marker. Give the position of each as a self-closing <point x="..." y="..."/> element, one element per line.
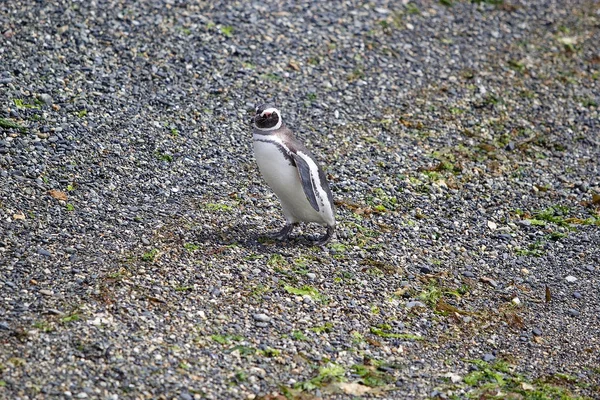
<point x="307" y="177"/>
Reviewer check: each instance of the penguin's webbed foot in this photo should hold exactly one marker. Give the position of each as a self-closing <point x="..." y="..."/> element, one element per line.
<point x="322" y="241"/>
<point x="284" y="233"/>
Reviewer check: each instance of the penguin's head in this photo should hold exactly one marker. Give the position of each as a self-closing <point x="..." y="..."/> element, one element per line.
<point x="267" y="118"/>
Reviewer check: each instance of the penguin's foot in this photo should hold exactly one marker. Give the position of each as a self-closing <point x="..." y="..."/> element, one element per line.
<point x="322" y="241"/>
<point x="283" y="234"/>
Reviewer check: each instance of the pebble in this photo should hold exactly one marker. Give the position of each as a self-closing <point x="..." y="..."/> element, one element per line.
<point x="573" y="312"/>
<point x="468" y="274"/>
<point x="43" y="252"/>
<point x="46" y="98"/>
<point x="505" y="236"/>
<point x="571" y="279"/>
<point x="4" y="326"/>
<point x="489" y="281"/>
<point x="412" y="304"/>
<point x="261" y="317"/>
<point x="426" y="270"/>
<point x="311" y="276"/>
<point x="577" y="295"/>
<point x="537" y="332"/>
<point x="46" y="292"/>
<point x="488" y="357"/>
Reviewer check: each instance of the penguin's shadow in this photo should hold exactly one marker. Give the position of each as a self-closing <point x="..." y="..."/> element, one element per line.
<point x="251" y="237"/>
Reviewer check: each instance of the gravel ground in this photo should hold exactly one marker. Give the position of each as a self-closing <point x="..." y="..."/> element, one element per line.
<point x="461" y="141"/>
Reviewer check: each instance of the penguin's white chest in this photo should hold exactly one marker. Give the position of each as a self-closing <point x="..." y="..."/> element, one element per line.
<point x="282" y="177"/>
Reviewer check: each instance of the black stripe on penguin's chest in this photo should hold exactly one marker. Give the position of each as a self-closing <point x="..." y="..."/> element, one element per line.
<point x="281" y="149"/>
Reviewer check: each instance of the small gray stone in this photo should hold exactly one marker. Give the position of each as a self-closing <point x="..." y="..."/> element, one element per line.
<point x="491" y="282"/>
<point x="4" y="326"/>
<point x="577" y="295"/>
<point x="571" y="279"/>
<point x="537" y="332"/>
<point x="145" y="241"/>
<point x="573" y="312"/>
<point x="426" y="270"/>
<point x="46" y="98"/>
<point x="261" y="317"/>
<point x="488" y="357"/>
<point x="43" y="252"/>
<point x="468" y="274"/>
<point x="505" y="236"/>
<point x="311" y="276"/>
<point x="185" y="396"/>
<point x="412" y="304"/>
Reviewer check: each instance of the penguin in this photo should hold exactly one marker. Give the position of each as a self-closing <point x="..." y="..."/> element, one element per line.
<point x="292" y="172"/>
